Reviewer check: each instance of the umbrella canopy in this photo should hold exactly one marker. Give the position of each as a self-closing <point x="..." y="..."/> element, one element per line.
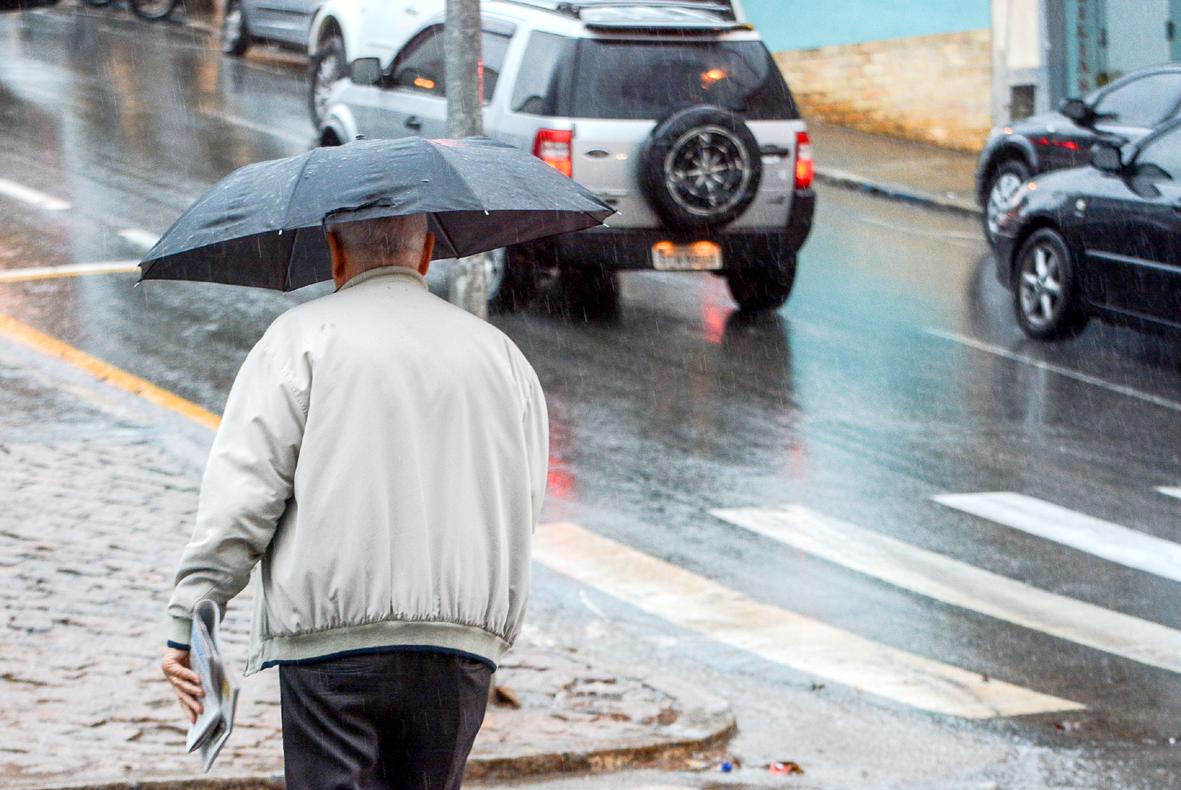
<point x="264" y="224"/>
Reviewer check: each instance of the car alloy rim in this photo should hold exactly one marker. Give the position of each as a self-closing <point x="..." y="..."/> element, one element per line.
<point x="1041" y="285"/>
<point x="707" y="170"/>
<point x="1003" y="189"/>
<point x="326" y="74"/>
<point x="154" y="7"/>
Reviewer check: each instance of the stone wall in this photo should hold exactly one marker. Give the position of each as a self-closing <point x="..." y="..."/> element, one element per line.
<point x="936" y="89"/>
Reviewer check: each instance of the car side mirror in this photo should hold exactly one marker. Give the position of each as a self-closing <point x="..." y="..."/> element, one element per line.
<point x="365" y="71"/>
<point x="1077" y="111"/>
<point x="1106" y="157"/>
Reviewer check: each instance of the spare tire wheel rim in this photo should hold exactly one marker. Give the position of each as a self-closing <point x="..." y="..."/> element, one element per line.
<point x="707" y="170"/>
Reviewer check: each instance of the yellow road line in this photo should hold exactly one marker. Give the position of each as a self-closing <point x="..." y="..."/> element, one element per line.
<point x="31" y="273"/>
<point x="50" y="346"/>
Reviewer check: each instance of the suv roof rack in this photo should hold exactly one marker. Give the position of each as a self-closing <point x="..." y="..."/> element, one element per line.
<point x="700" y="15"/>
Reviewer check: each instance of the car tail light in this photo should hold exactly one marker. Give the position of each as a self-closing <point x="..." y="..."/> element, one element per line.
<point x="804" y="167"/>
<point x="555" y="147"/>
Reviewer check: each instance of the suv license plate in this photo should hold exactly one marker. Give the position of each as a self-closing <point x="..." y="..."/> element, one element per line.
<point x="699" y="256"/>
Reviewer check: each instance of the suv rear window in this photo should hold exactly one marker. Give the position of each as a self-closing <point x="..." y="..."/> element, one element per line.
<point x="543" y="74"/>
<point x="647" y="79"/>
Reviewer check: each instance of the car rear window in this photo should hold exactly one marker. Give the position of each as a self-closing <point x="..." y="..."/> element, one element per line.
<point x="543" y="74"/>
<point x="648" y="79"/>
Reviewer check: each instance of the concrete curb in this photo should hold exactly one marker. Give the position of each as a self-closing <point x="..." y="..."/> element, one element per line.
<point x="705" y="724"/>
<point x="848" y="180"/>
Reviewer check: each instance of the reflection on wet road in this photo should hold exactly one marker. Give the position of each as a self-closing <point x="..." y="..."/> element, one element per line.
<point x="894" y="375"/>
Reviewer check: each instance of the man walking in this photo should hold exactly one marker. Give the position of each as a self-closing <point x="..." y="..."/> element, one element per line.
<point x="382" y="457"/>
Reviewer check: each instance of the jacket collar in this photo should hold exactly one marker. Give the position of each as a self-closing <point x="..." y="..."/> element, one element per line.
<point x="385" y="271"/>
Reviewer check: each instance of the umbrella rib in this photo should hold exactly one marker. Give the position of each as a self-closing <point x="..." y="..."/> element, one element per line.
<point x="443" y="232"/>
<point x="287" y="217"/>
<point x="295" y="188"/>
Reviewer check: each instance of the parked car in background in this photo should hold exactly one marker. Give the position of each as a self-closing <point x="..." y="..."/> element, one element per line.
<point x="1127" y="109"/>
<point x="673" y="113"/>
<point x="328" y="32"/>
<point x="343" y="30"/>
<point x="282" y="22"/>
<point x="1102" y="240"/>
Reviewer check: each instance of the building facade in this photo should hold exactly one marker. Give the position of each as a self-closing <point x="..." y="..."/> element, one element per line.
<point x="945" y="71"/>
<point x="919" y="69"/>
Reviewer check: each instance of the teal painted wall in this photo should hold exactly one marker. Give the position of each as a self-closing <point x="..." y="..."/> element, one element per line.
<point x="802" y="24"/>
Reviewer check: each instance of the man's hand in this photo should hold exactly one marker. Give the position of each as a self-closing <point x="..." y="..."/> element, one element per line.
<point x="185" y="682"/>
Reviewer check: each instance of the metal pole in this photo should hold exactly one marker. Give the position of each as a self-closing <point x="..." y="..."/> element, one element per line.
<point x="466" y="285"/>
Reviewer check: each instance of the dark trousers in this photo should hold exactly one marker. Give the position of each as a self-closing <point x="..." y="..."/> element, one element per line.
<point x="381" y="720"/>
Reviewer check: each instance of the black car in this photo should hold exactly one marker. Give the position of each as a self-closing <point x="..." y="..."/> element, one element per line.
<point x="1127" y="109"/>
<point x="24" y="5"/>
<point x="1102" y="240"/>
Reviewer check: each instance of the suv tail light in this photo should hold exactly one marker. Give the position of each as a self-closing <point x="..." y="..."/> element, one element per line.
<point x="555" y="147"/>
<point x="804" y="167"/>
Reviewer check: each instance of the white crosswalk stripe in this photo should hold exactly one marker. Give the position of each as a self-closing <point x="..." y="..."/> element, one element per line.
<point x="140" y="237"/>
<point x="960" y="584"/>
<point x="1094" y="536"/>
<point x="710" y="609"/>
<point x="1170" y="491"/>
<point x="31" y="196"/>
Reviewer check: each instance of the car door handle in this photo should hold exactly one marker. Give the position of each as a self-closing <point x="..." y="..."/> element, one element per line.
<point x="413" y="123"/>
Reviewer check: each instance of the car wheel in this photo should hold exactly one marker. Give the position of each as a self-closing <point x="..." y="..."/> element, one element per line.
<point x="1006" y="179"/>
<point x="153" y="10"/>
<point x="701" y="168"/>
<point x="235" y="36"/>
<point x="589" y="290"/>
<point x="763" y="288"/>
<point x="1045" y="288"/>
<point x="511" y="278"/>
<point x="325" y="67"/>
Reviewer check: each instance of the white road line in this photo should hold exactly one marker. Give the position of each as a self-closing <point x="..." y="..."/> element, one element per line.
<point x="246" y="123"/>
<point x="701" y="605"/>
<point x="31" y="196"/>
<point x="1170" y="491"/>
<point x="66" y="270"/>
<point x="1085" y="378"/>
<point x="1095" y="536"/>
<point x="960" y="584"/>
<point x="140" y="237"/>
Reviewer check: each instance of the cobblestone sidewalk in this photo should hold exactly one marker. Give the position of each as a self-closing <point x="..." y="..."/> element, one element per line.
<point x="99" y="491"/>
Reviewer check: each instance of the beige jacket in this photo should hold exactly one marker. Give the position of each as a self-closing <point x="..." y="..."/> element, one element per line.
<point x="382" y="458"/>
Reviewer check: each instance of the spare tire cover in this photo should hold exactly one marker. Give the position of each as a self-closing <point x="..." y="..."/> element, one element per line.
<point x="701" y="167"/>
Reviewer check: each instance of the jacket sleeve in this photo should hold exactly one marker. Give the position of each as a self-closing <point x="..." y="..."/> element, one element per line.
<point x="247" y="483"/>
<point x="537" y="442"/>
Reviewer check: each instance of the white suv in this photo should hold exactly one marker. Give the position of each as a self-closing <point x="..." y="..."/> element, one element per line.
<point x="339" y="30"/>
<point x="344" y="29"/>
<point x="673" y="112"/>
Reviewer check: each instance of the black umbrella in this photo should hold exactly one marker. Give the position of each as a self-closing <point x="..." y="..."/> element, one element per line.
<point x="263" y="225"/>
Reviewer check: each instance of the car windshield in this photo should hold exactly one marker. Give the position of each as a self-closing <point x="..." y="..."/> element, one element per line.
<point x="1142" y="102"/>
<point x="647" y="79"/>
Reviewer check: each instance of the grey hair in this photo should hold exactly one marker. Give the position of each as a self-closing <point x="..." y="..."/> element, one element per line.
<point x="388" y="241"/>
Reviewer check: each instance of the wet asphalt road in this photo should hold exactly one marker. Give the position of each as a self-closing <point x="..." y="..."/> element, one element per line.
<point x="894" y="374"/>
